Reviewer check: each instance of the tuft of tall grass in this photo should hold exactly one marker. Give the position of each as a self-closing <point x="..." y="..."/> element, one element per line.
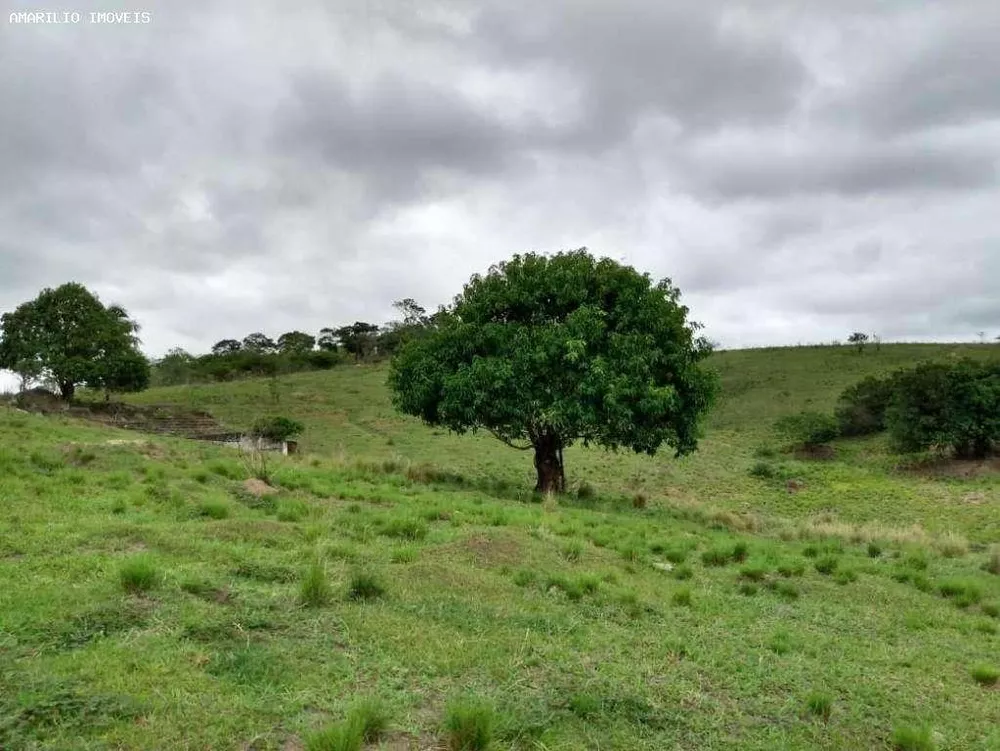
<point x="820" y="705"/>
<point x="826" y="565"/>
<point x="314" y="589"/>
<point x="985" y="675"/>
<point x="909" y="738"/>
<point x="468" y="724"/>
<point x="139" y="575"/>
<point x="365" y="585"/>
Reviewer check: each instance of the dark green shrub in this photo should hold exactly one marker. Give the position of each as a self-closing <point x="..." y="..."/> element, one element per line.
<point x="862" y="407"/>
<point x="808" y="429"/>
<point x="953" y="405"/>
<point x="276" y="428"/>
<point x="763" y="471"/>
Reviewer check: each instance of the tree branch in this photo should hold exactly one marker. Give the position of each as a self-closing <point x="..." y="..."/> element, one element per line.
<point x="512" y="445"/>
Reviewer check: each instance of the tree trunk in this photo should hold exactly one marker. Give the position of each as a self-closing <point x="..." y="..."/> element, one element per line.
<point x="67" y="389"/>
<point x="548" y="465"/>
<point x="977" y="448"/>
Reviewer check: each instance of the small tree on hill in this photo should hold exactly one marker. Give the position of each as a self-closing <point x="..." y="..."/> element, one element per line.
<point x="124" y="371"/>
<point x="226" y="347"/>
<point x="358" y="338"/>
<point x="952" y="405"/>
<point x="296" y="341"/>
<point x="859" y="339"/>
<point x="260" y="343"/>
<point x="66" y="335"/>
<point x="328" y="340"/>
<point x="543" y="352"/>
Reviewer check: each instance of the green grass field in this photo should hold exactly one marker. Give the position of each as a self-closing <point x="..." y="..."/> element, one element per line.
<point x="736" y="598"/>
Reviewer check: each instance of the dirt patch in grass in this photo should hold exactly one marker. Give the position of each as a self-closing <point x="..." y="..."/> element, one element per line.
<point x="258" y="488"/>
<point x="794" y="486"/>
<point x="807" y="453"/>
<point x="407" y="742"/>
<point x="937" y="468"/>
<point x="493" y="549"/>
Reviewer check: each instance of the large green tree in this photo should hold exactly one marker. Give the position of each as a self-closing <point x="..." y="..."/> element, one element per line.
<point x="67" y="335"/>
<point x="546" y="351"/>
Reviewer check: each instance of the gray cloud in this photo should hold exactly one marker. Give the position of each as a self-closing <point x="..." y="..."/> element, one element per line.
<point x="233" y="167"/>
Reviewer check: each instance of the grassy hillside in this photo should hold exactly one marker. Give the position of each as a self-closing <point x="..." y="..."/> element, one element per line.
<point x="153" y="598"/>
<point x="348" y="414"/>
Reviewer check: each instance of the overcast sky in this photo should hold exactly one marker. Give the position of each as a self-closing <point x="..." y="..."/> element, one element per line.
<point x="800" y="168"/>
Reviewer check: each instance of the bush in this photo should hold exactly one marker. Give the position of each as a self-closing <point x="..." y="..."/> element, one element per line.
<point x="954" y="405"/>
<point x="808" y="429"/>
<point x="763" y="471"/>
<point x="469" y="725"/>
<point x="862" y="407"/>
<point x="276" y="428"/>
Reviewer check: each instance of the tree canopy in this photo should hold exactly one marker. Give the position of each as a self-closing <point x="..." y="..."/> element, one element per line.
<point x="546" y="351"/>
<point x="67" y="335"/>
<point x="296" y="341"/>
<point x="358" y="338"/>
<point x="258" y="342"/>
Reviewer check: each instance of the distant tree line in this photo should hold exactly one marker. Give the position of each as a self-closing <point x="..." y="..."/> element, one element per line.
<point x="257" y="354"/>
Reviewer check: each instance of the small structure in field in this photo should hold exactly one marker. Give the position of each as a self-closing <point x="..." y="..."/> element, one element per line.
<point x="247" y="442"/>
